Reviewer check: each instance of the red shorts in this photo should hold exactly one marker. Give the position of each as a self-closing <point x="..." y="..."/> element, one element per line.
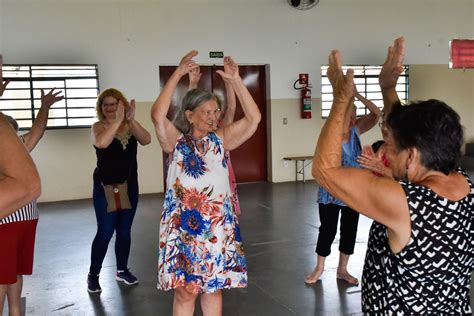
<point x="17" y="245"/>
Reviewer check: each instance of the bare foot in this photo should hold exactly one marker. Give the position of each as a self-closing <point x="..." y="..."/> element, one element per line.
<point x="314" y="276"/>
<point x="345" y="276"/>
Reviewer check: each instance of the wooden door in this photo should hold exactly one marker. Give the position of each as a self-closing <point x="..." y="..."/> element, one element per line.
<point x="250" y="159"/>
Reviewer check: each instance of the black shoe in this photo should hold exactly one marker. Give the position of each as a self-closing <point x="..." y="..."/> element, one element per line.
<point x="93" y="285"/>
<point x="126" y="276"/>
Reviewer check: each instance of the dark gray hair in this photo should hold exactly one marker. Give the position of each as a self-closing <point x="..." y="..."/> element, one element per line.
<point x="432" y="127"/>
<point x="192" y="100"/>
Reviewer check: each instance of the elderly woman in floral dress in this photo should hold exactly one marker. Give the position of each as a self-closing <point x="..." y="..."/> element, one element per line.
<point x="200" y="249"/>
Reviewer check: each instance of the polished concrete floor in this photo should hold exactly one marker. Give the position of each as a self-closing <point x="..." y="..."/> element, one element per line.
<point x="279" y="226"/>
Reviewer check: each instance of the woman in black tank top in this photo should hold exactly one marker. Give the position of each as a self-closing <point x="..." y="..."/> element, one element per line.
<point x="115" y="137"/>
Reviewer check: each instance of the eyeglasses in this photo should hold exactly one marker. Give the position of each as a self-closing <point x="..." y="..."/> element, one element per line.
<point x="110" y="104"/>
<point x="210" y="113"/>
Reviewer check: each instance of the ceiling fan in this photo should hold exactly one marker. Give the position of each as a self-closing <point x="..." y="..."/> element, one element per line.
<point x="303" y="4"/>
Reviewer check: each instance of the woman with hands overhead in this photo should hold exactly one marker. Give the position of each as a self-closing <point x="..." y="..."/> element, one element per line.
<point x="200" y="250"/>
<point x="115" y="193"/>
<point x="330" y="206"/>
<point x="420" y="252"/>
<point x="227" y="114"/>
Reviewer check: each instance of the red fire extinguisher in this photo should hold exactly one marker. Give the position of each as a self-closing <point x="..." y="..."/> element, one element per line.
<point x="303" y="80"/>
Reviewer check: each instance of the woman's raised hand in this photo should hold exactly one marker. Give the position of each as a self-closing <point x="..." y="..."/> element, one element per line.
<point x="342" y="85"/>
<point x="187" y="63"/>
<point x="194" y="77"/>
<point x="120" y="113"/>
<point x="130" y="115"/>
<point x="47" y="100"/>
<point x="393" y="65"/>
<point x="231" y="70"/>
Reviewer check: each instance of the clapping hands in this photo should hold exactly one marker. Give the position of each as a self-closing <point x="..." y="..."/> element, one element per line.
<point x="393" y="65"/>
<point x="131" y="111"/>
<point x="120" y="113"/>
<point x="342" y="85"/>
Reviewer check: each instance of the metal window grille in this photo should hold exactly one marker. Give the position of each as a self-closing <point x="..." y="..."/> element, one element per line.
<point x="366" y="79"/>
<point x="79" y="85"/>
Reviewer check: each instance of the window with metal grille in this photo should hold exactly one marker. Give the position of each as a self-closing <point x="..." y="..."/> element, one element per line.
<point x="79" y="85"/>
<point x="366" y="79"/>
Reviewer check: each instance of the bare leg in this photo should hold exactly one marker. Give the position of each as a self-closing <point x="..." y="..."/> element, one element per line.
<point x="14" y="296"/>
<point x="183" y="302"/>
<point x="211" y="303"/>
<point x="314" y="276"/>
<point x="3" y="294"/>
<point x="342" y="272"/>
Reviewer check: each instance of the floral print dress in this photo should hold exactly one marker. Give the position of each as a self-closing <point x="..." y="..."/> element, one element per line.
<point x="200" y="245"/>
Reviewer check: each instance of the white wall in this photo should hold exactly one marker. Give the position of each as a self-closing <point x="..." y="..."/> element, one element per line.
<point x="453" y="86"/>
<point x="130" y="39"/>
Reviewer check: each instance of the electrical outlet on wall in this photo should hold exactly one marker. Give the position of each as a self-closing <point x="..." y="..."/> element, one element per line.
<point x="285" y="163"/>
<point x="285" y="121"/>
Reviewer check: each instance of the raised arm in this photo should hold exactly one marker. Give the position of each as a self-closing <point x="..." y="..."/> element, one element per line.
<point x="367" y="121"/>
<point x="231" y="103"/>
<point x="104" y="133"/>
<point x="166" y="132"/>
<point x="140" y="133"/>
<point x="379" y="198"/>
<point x="238" y="132"/>
<point x="3" y="84"/>
<point x="391" y="70"/>
<point x="19" y="179"/>
<point x="39" y="125"/>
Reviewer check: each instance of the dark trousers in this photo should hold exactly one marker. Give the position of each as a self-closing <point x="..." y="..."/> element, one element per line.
<point x="329" y="217"/>
<point x="107" y="223"/>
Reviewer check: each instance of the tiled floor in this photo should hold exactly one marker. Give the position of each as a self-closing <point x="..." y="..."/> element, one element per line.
<point x="279" y="226"/>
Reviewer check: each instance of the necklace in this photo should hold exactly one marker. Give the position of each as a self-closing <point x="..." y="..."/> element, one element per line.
<point x="199" y="144"/>
<point x="123" y="138"/>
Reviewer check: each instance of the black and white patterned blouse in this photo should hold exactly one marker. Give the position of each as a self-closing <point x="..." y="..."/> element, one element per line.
<point x="432" y="274"/>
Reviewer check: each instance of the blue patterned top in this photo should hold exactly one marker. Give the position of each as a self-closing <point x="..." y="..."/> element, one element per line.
<point x="350" y="151"/>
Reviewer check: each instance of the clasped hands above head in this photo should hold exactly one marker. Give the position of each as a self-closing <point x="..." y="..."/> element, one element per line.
<point x="188" y="65"/>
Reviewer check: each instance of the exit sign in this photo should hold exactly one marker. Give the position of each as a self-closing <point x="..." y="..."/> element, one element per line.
<point x="216" y="54"/>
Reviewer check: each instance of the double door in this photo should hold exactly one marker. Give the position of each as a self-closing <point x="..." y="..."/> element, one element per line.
<point x="250" y="159"/>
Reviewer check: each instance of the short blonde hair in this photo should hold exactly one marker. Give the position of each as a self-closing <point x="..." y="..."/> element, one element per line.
<point x="111" y="92"/>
